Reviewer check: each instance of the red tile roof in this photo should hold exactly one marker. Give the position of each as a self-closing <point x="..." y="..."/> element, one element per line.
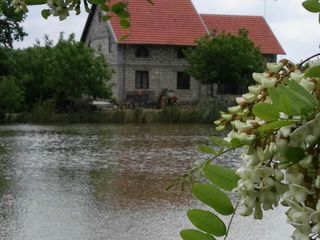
<point x="259" y="31"/>
<point x="176" y="22"/>
<point x="167" y="22"/>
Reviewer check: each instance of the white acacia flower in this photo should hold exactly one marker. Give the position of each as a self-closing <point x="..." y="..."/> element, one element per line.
<point x="256" y="89"/>
<point x="245" y="211"/>
<point x="307" y="84"/>
<point x="220" y="128"/>
<point x="285" y="131"/>
<point x="234" y="109"/>
<point x="241" y="126"/>
<point x="240" y="100"/>
<point x="296" y="76"/>
<point x="275" y="67"/>
<point x="226" y="116"/>
<point x="299" y="192"/>
<point x="268" y="82"/>
<point x="317" y="183"/>
<point x="301" y="232"/>
<point x="278" y="174"/>
<point x="249" y="97"/>
<point x="306" y="162"/>
<point x="257" y="77"/>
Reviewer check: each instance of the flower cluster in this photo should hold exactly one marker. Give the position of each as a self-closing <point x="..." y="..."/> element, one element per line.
<point x="278" y="122"/>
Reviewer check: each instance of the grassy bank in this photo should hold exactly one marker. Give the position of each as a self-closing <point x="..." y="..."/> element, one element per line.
<point x="205" y="112"/>
<point x="167" y="115"/>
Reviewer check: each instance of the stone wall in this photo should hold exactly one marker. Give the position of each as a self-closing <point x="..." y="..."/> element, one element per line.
<point x="162" y="65"/>
<point x="101" y="38"/>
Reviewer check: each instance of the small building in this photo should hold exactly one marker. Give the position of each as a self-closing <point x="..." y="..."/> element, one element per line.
<point x="147" y="58"/>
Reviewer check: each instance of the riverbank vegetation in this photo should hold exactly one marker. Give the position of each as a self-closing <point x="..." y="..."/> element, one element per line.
<point x="52" y="77"/>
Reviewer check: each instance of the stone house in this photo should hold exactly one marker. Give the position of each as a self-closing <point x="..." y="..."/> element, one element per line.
<point x="148" y="57"/>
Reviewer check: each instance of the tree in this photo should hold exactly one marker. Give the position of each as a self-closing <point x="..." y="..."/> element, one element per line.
<point x="11" y="95"/>
<point x="62" y="73"/>
<point x="10" y="28"/>
<point x="225" y="59"/>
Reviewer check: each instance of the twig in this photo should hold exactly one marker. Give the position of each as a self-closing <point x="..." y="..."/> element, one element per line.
<point x="231" y="219"/>
<point x="309" y="58"/>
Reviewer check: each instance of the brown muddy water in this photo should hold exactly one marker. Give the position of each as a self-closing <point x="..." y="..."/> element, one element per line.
<point x="105" y="182"/>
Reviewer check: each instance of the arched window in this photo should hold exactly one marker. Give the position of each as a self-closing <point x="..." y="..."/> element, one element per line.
<point x="142" y="52"/>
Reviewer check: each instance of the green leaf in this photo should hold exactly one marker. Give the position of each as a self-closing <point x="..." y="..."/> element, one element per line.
<point x="274" y="95"/>
<point x="118" y="7"/>
<point x="45" y="13"/>
<point x="313" y="72"/>
<point x="206" y="149"/>
<point x="213" y="197"/>
<point x="105" y="18"/>
<point x="275" y="125"/>
<point x="192" y="234"/>
<point x="293" y="155"/>
<point x="236" y="143"/>
<point x="218" y="141"/>
<point x="266" y="111"/>
<point x="223" y="177"/>
<point x="302" y="95"/>
<point x="124" y="23"/>
<point x="35" y="2"/>
<point x="98" y="2"/>
<point x="207" y="222"/>
<point x="122" y="14"/>
<point x="312" y="5"/>
<point x="104" y="7"/>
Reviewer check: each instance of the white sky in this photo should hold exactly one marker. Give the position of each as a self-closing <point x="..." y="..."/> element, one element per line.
<point x="297" y="30"/>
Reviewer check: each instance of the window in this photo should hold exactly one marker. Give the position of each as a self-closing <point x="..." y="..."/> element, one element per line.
<point x="142" y="52"/>
<point x="142" y="79"/>
<point x="183" y="80"/>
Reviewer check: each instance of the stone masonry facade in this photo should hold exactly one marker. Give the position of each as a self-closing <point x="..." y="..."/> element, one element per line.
<point x="162" y="65"/>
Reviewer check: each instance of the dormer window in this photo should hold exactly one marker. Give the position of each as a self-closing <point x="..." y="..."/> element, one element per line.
<point x="142" y="52"/>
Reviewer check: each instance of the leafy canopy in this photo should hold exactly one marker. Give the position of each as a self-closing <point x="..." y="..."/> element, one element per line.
<point x="10" y="28"/>
<point x="61" y="73"/>
<point x="225" y="59"/>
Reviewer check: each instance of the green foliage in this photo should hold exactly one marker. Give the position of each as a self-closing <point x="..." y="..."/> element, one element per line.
<point x="62" y="9"/>
<point x="63" y="73"/>
<point x="312" y="6"/>
<point x="11" y="95"/>
<point x="225" y="59"/>
<point x="222" y="177"/>
<point x="10" y="28"/>
<point x="207" y="222"/>
<point x="192" y="234"/>
<point x="212" y="194"/>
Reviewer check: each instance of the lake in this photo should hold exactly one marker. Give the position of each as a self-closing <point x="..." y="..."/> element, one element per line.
<point x="106" y="182"/>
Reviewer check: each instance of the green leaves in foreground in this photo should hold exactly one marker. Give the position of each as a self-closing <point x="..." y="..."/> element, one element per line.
<point x="207" y="222"/>
<point x="213" y="197"/>
<point x="313" y="72"/>
<point x="192" y="234"/>
<point x="283" y="98"/>
<point x="222" y="177"/>
<point x="212" y="194"/>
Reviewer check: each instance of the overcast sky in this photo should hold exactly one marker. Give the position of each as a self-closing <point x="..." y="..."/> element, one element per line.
<point x="297" y="30"/>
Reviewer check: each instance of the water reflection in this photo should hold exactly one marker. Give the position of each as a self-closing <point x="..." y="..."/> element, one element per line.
<point x="97" y="181"/>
